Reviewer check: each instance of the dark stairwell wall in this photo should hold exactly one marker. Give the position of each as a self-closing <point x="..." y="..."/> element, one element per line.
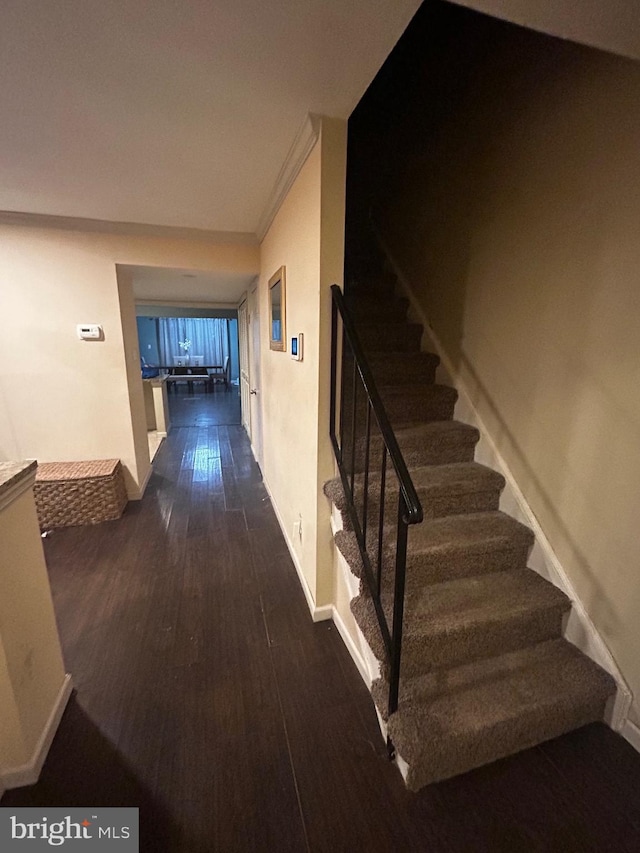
<point x="503" y="169"/>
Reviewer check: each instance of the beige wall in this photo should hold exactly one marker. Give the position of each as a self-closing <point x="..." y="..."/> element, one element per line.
<point x="306" y="236"/>
<point x="332" y="217"/>
<point x="515" y="220"/>
<point x="66" y="399"/>
<point x="135" y="388"/>
<point x="31" y="667"/>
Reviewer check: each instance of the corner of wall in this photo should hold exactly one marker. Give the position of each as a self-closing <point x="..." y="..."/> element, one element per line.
<point x="29" y="772"/>
<point x="142" y="472"/>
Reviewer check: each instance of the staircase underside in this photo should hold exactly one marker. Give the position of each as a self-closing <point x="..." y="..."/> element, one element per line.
<point x="485" y="671"/>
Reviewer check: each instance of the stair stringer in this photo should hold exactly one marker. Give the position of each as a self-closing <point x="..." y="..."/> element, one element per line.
<point x="578" y="627"/>
<point x="346" y="588"/>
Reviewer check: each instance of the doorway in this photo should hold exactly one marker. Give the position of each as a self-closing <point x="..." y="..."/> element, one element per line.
<point x="183" y="342"/>
<point x="249" y="337"/>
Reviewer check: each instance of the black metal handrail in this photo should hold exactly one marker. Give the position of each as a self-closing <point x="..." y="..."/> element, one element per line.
<point x="357" y="491"/>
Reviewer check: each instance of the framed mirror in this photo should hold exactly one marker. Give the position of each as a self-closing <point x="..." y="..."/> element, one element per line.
<point x="277" y="333"/>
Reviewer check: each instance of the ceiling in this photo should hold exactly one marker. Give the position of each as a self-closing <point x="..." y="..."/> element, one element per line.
<point x="613" y="26"/>
<point x="184" y="287"/>
<point x="174" y="113"/>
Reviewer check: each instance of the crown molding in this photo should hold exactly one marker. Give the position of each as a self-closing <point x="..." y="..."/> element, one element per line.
<point x="126" y="229"/>
<point x="300" y="149"/>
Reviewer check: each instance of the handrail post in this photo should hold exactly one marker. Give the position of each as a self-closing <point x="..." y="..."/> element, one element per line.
<point x="334" y="368"/>
<point x="398" y="608"/>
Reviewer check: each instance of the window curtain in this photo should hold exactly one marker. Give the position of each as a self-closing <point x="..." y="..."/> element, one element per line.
<point x="209" y="338"/>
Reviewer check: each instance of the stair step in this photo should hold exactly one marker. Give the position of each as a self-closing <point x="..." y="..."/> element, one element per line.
<point x="455" y="622"/>
<point x="458" y="546"/>
<point x="364" y="281"/>
<point x="448" y="548"/>
<point x="445" y="549"/>
<point x="405" y="406"/>
<point x="455" y="720"/>
<point x="432" y="443"/>
<point x="443" y="490"/>
<point x="413" y="404"/>
<point x="456" y="489"/>
<point x="390" y="337"/>
<point x="371" y="307"/>
<point x="449" y="489"/>
<point x="400" y="368"/>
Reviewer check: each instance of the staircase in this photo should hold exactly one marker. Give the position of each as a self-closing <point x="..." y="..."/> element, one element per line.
<point x="485" y="671"/>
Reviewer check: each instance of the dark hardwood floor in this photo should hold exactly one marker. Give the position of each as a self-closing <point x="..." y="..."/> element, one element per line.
<point x="200" y="409"/>
<point x="206" y="697"/>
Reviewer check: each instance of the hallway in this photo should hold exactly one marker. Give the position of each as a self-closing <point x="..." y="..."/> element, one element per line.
<point x="199" y="409"/>
<point x="207" y="697"/>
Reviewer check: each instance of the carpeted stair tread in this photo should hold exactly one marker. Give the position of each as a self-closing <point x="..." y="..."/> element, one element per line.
<point x="367" y="307"/>
<point x="454" y="546"/>
<point x="444" y="549"/>
<point x="453" y="622"/>
<point x="408" y="405"/>
<point x="450" y="606"/>
<point x="431" y="443"/>
<point x="465" y="545"/>
<point x="400" y="368"/>
<point x="412" y="404"/>
<point x="390" y="337"/>
<point x="437" y="443"/>
<point x="492" y="671"/>
<point x="460" y="478"/>
<point x="454" y="720"/>
<point x="444" y="489"/>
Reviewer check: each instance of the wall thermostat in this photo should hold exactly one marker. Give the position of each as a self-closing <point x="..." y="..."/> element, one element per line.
<point x="89" y="332"/>
<point x="296" y="347"/>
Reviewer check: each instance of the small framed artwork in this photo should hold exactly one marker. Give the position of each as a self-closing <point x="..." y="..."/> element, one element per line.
<point x="277" y="330"/>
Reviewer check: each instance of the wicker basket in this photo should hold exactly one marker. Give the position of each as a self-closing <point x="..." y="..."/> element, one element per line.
<point x="72" y="493"/>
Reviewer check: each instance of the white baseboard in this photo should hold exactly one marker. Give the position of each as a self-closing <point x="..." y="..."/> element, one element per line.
<point x="352" y="648"/>
<point x="29" y="773"/>
<point x="631" y="733"/>
<point x="137" y="492"/>
<point x="145" y="482"/>
<point x="320" y="613"/>
<point x="579" y="629"/>
<point x="358" y="647"/>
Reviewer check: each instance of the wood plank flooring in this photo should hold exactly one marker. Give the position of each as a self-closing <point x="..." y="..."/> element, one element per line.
<point x="216" y="408"/>
<point x="206" y="697"/>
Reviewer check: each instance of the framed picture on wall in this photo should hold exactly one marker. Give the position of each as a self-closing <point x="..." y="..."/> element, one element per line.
<point x="277" y="331"/>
